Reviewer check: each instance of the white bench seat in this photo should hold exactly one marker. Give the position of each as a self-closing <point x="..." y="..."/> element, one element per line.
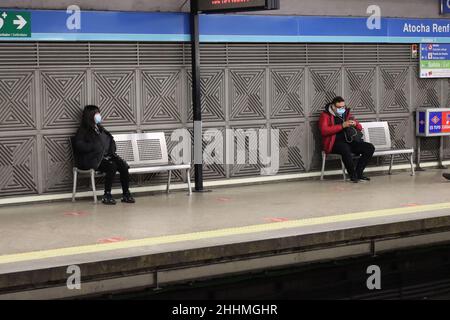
<point x="144" y="153"/>
<point x="392" y="152"/>
<point x="144" y="169"/>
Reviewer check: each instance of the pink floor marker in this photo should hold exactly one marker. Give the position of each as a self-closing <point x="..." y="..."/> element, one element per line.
<point x="276" y="219"/>
<point x="410" y="205"/>
<point x="111" y="240"/>
<point x="76" y="213"/>
<point x="223" y="199"/>
<point x="339" y="189"/>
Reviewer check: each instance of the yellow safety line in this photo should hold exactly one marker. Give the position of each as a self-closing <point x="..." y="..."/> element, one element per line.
<point x="35" y="255"/>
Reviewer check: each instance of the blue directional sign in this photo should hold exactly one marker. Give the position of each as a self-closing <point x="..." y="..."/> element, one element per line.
<point x="434" y="60"/>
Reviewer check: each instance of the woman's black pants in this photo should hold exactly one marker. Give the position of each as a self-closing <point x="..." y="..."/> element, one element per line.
<point x="363" y="149"/>
<point x="110" y="167"/>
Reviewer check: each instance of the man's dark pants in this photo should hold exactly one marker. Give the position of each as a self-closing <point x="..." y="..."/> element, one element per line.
<point x="364" y="149"/>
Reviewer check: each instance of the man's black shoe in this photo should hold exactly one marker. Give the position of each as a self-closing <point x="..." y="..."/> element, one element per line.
<point x="354" y="179"/>
<point x="108" y="199"/>
<point x="128" y="198"/>
<point x="364" y="178"/>
<point x="446" y="176"/>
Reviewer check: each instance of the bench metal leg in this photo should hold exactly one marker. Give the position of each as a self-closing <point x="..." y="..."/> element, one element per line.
<point x="411" y="159"/>
<point x="94" y="191"/>
<point x="188" y="177"/>
<point x="343" y="170"/>
<point x="324" y="158"/>
<point x="390" y="164"/>
<point x="168" y="181"/>
<point x="74" y="190"/>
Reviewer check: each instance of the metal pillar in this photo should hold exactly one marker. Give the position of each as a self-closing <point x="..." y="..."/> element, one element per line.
<point x="441" y="153"/>
<point x="419" y="145"/>
<point x="196" y="97"/>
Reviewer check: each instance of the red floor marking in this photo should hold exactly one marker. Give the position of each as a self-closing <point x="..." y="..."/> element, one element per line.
<point x="111" y="239"/>
<point x="76" y="213"/>
<point x="339" y="189"/>
<point x="276" y="219"/>
<point x="410" y="205"/>
<point x="223" y="199"/>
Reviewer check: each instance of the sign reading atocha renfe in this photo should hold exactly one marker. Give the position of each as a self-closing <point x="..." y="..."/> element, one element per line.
<point x="15" y="24"/>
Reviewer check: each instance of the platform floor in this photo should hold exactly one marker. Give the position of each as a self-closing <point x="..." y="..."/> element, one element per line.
<point x="39" y="235"/>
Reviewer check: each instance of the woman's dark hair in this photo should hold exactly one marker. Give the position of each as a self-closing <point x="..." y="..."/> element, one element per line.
<point x="87" y="119"/>
<point x="337" y="100"/>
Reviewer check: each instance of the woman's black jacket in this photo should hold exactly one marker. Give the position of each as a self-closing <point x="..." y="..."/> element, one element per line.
<point x="88" y="147"/>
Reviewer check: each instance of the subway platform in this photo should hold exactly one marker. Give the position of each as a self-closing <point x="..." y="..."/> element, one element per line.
<point x="165" y="239"/>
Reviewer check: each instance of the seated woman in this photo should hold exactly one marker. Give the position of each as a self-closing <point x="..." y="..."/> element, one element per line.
<point x="340" y="135"/>
<point x="95" y="148"/>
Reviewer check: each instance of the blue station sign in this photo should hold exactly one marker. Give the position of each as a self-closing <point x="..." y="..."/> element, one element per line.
<point x="58" y="25"/>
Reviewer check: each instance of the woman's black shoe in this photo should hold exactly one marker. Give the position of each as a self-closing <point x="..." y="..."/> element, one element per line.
<point x="108" y="199"/>
<point x="128" y="198"/>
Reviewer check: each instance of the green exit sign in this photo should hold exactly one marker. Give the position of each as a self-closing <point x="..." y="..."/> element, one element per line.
<point x="15" y="24"/>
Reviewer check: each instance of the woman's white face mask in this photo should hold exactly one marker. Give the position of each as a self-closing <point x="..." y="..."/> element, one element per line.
<point x="97" y="118"/>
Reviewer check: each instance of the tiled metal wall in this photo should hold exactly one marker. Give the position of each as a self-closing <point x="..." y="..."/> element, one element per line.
<point x="144" y="87"/>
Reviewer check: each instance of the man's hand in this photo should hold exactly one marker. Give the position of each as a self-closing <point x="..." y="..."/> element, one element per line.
<point x="349" y="123"/>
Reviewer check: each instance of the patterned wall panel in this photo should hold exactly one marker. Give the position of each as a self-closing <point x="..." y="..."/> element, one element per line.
<point x="292" y="147"/>
<point x="211" y="170"/>
<point x="251" y="153"/>
<point x="324" y="85"/>
<point x="57" y="155"/>
<point x="402" y="135"/>
<point x="247" y="94"/>
<point x="394" y="89"/>
<point x="18" y="165"/>
<point x="426" y="92"/>
<point x="446" y="93"/>
<point x="17" y="100"/>
<point x="212" y="95"/>
<point x="161" y="177"/>
<point x="233" y="97"/>
<point x="287" y="93"/>
<point x="314" y="157"/>
<point x="63" y="96"/>
<point x="360" y="89"/>
<point x="114" y="91"/>
<point x="162" y="99"/>
<point x="429" y="149"/>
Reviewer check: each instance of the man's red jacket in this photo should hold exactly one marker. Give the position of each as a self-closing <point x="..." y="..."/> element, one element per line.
<point x="329" y="130"/>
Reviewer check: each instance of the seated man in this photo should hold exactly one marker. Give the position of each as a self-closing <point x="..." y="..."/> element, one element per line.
<point x="341" y="135"/>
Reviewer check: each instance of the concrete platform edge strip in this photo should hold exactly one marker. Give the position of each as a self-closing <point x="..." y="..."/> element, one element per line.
<point x="216" y="183"/>
<point x="210" y="234"/>
<point x="166" y="277"/>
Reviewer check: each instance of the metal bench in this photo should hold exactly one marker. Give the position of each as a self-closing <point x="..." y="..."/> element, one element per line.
<point x="144" y="152"/>
<point x="378" y="134"/>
